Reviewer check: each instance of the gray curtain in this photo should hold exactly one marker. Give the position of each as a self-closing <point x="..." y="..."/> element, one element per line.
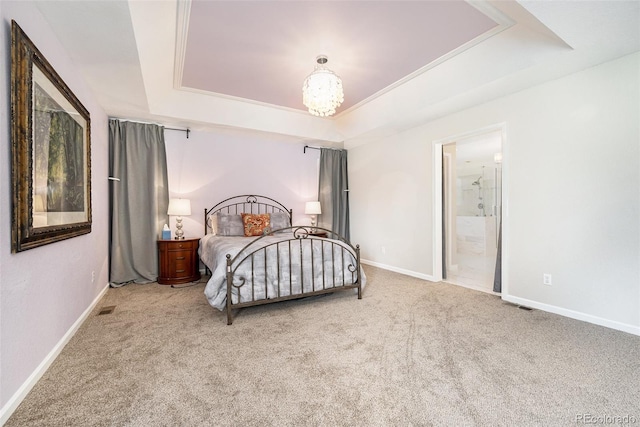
<point x="138" y="201"/>
<point x="333" y="191"/>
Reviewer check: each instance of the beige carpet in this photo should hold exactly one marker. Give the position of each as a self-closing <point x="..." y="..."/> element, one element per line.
<point x="409" y="353"/>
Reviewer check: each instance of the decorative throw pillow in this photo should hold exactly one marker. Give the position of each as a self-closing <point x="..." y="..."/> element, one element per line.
<point x="230" y="225"/>
<point x="279" y="220"/>
<point x="254" y="224"/>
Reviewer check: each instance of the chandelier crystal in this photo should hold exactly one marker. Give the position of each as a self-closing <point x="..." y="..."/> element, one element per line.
<point x="322" y="90"/>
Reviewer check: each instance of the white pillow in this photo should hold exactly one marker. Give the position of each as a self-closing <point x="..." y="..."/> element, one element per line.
<point x="212" y="223"/>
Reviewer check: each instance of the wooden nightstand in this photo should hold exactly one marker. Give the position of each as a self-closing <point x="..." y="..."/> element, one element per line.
<point x="318" y="234"/>
<point x="178" y="261"/>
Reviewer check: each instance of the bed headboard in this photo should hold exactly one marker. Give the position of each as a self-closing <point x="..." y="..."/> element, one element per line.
<point x="246" y="203"/>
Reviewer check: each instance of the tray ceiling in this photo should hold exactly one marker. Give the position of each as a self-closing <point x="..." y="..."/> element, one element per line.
<point x="263" y="51"/>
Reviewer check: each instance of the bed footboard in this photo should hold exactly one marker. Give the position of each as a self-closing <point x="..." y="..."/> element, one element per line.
<point x="291" y="263"/>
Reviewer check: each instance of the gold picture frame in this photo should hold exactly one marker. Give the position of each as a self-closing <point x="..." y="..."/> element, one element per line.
<point x="50" y="151"/>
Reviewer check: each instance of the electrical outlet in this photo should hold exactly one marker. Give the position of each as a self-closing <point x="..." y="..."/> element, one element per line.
<point x="546" y="279"/>
<point x="93" y="276"/>
<point x="383" y="250"/>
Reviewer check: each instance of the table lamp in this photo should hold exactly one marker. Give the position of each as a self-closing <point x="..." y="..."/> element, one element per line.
<point x="179" y="207"/>
<point x="313" y="209"/>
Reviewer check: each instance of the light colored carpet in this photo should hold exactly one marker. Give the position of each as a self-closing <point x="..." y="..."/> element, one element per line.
<point x="410" y="352"/>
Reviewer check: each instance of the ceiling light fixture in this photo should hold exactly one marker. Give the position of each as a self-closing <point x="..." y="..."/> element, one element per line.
<point x="322" y="90"/>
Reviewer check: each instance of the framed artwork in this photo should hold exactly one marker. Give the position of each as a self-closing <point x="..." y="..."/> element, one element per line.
<point x="50" y="151"/>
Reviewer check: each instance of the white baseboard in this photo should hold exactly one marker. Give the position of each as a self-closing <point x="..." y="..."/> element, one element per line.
<point x="624" y="327"/>
<point x="26" y="387"/>
<point x="398" y="270"/>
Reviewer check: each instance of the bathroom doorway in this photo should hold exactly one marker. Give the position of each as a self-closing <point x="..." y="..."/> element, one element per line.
<point x="471" y="209"/>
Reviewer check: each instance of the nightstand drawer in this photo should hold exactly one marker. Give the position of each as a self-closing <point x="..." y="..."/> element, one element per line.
<point x="180" y="264"/>
<point x="180" y="245"/>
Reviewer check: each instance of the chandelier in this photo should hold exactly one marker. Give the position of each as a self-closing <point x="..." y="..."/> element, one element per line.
<point x="322" y="90"/>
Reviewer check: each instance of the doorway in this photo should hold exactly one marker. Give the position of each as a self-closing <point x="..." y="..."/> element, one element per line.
<point x="471" y="209"/>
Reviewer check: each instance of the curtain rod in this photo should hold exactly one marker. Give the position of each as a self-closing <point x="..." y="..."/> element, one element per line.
<point x="187" y="130"/>
<point x="319" y="148"/>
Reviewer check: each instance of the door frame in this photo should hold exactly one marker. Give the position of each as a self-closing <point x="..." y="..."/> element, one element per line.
<point x="437" y="199"/>
<point x="449" y="247"/>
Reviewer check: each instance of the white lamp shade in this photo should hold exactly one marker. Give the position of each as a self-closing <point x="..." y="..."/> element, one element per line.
<point x="312" y="208"/>
<point x="179" y="207"/>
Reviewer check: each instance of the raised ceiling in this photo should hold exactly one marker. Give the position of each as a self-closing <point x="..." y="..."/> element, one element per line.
<point x="263" y="51"/>
<point x="239" y="65"/>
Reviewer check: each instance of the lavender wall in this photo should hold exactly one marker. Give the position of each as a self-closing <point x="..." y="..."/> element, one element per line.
<point x="212" y="166"/>
<point x="44" y="292"/>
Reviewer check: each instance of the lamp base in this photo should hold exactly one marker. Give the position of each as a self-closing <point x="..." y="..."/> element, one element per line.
<point x="179" y="232"/>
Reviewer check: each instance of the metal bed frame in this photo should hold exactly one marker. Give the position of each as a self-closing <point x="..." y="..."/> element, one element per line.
<point x="332" y="281"/>
<point x="239" y="204"/>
